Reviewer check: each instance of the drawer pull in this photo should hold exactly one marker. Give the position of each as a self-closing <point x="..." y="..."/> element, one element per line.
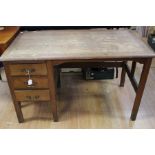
<point x="29" y="97"/>
<point x="29" y="82"/>
<point x="32" y="98"/>
<point x="30" y="86"/>
<point x="36" y="97"/>
<point x="32" y="70"/>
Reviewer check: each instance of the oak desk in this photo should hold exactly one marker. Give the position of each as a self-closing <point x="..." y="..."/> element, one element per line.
<point x="37" y="55"/>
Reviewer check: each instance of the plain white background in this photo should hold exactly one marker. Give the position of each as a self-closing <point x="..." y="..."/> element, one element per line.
<point x="77" y="13"/>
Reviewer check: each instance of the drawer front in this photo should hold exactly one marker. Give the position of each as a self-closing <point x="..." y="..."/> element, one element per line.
<point x="38" y="82"/>
<point x="23" y="69"/>
<point x="32" y="95"/>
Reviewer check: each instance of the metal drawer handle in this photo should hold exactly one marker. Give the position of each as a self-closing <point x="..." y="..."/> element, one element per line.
<point x="32" y="97"/>
<point x="36" y="97"/>
<point x="29" y="97"/>
<point x="28" y="70"/>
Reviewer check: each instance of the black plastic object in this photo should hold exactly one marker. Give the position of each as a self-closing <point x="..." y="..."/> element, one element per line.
<point x="98" y="73"/>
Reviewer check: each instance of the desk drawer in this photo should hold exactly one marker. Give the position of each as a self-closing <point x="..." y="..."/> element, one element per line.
<point x="32" y="95"/>
<point x="21" y="82"/>
<point x="22" y="69"/>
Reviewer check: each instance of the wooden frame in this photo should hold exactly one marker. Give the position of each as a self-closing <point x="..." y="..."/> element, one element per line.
<point x="111" y="62"/>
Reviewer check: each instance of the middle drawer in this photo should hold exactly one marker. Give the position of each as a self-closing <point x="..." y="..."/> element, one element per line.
<point x="22" y="83"/>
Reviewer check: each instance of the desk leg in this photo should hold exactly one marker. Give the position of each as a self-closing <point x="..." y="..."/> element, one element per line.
<point x="58" y="78"/>
<point x="133" y="68"/>
<point x="17" y="105"/>
<point x="140" y="90"/>
<point x="123" y="75"/>
<point x="52" y="87"/>
<point x="19" y="113"/>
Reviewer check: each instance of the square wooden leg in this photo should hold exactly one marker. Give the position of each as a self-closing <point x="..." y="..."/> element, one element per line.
<point x="19" y="113"/>
<point x="133" y="68"/>
<point x="58" y="78"/>
<point x="140" y="90"/>
<point x="17" y="104"/>
<point x="52" y="87"/>
<point x="123" y="75"/>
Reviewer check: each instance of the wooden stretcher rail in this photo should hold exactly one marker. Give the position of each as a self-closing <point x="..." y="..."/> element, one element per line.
<point x="131" y="77"/>
<point x="90" y="64"/>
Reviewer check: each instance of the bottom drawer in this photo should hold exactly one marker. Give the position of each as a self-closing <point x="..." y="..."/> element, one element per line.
<point x="32" y="95"/>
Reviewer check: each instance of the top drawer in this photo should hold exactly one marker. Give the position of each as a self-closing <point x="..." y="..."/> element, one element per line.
<point x="23" y="69"/>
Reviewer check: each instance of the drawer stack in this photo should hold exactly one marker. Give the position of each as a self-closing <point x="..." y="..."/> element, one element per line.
<point x="32" y="82"/>
<point x="38" y="90"/>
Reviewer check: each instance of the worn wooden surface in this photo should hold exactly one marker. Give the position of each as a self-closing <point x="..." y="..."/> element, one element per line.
<point x="76" y="44"/>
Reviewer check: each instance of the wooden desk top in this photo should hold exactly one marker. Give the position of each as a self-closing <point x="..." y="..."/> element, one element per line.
<point x="76" y="44"/>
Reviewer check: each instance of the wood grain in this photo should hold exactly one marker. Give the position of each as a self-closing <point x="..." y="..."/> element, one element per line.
<point x="38" y="82"/>
<point x="106" y="45"/>
<point x="140" y="89"/>
<point x="16" y="103"/>
<point x="21" y="69"/>
<point x="32" y="95"/>
<point x="52" y="88"/>
<point x="76" y="44"/>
